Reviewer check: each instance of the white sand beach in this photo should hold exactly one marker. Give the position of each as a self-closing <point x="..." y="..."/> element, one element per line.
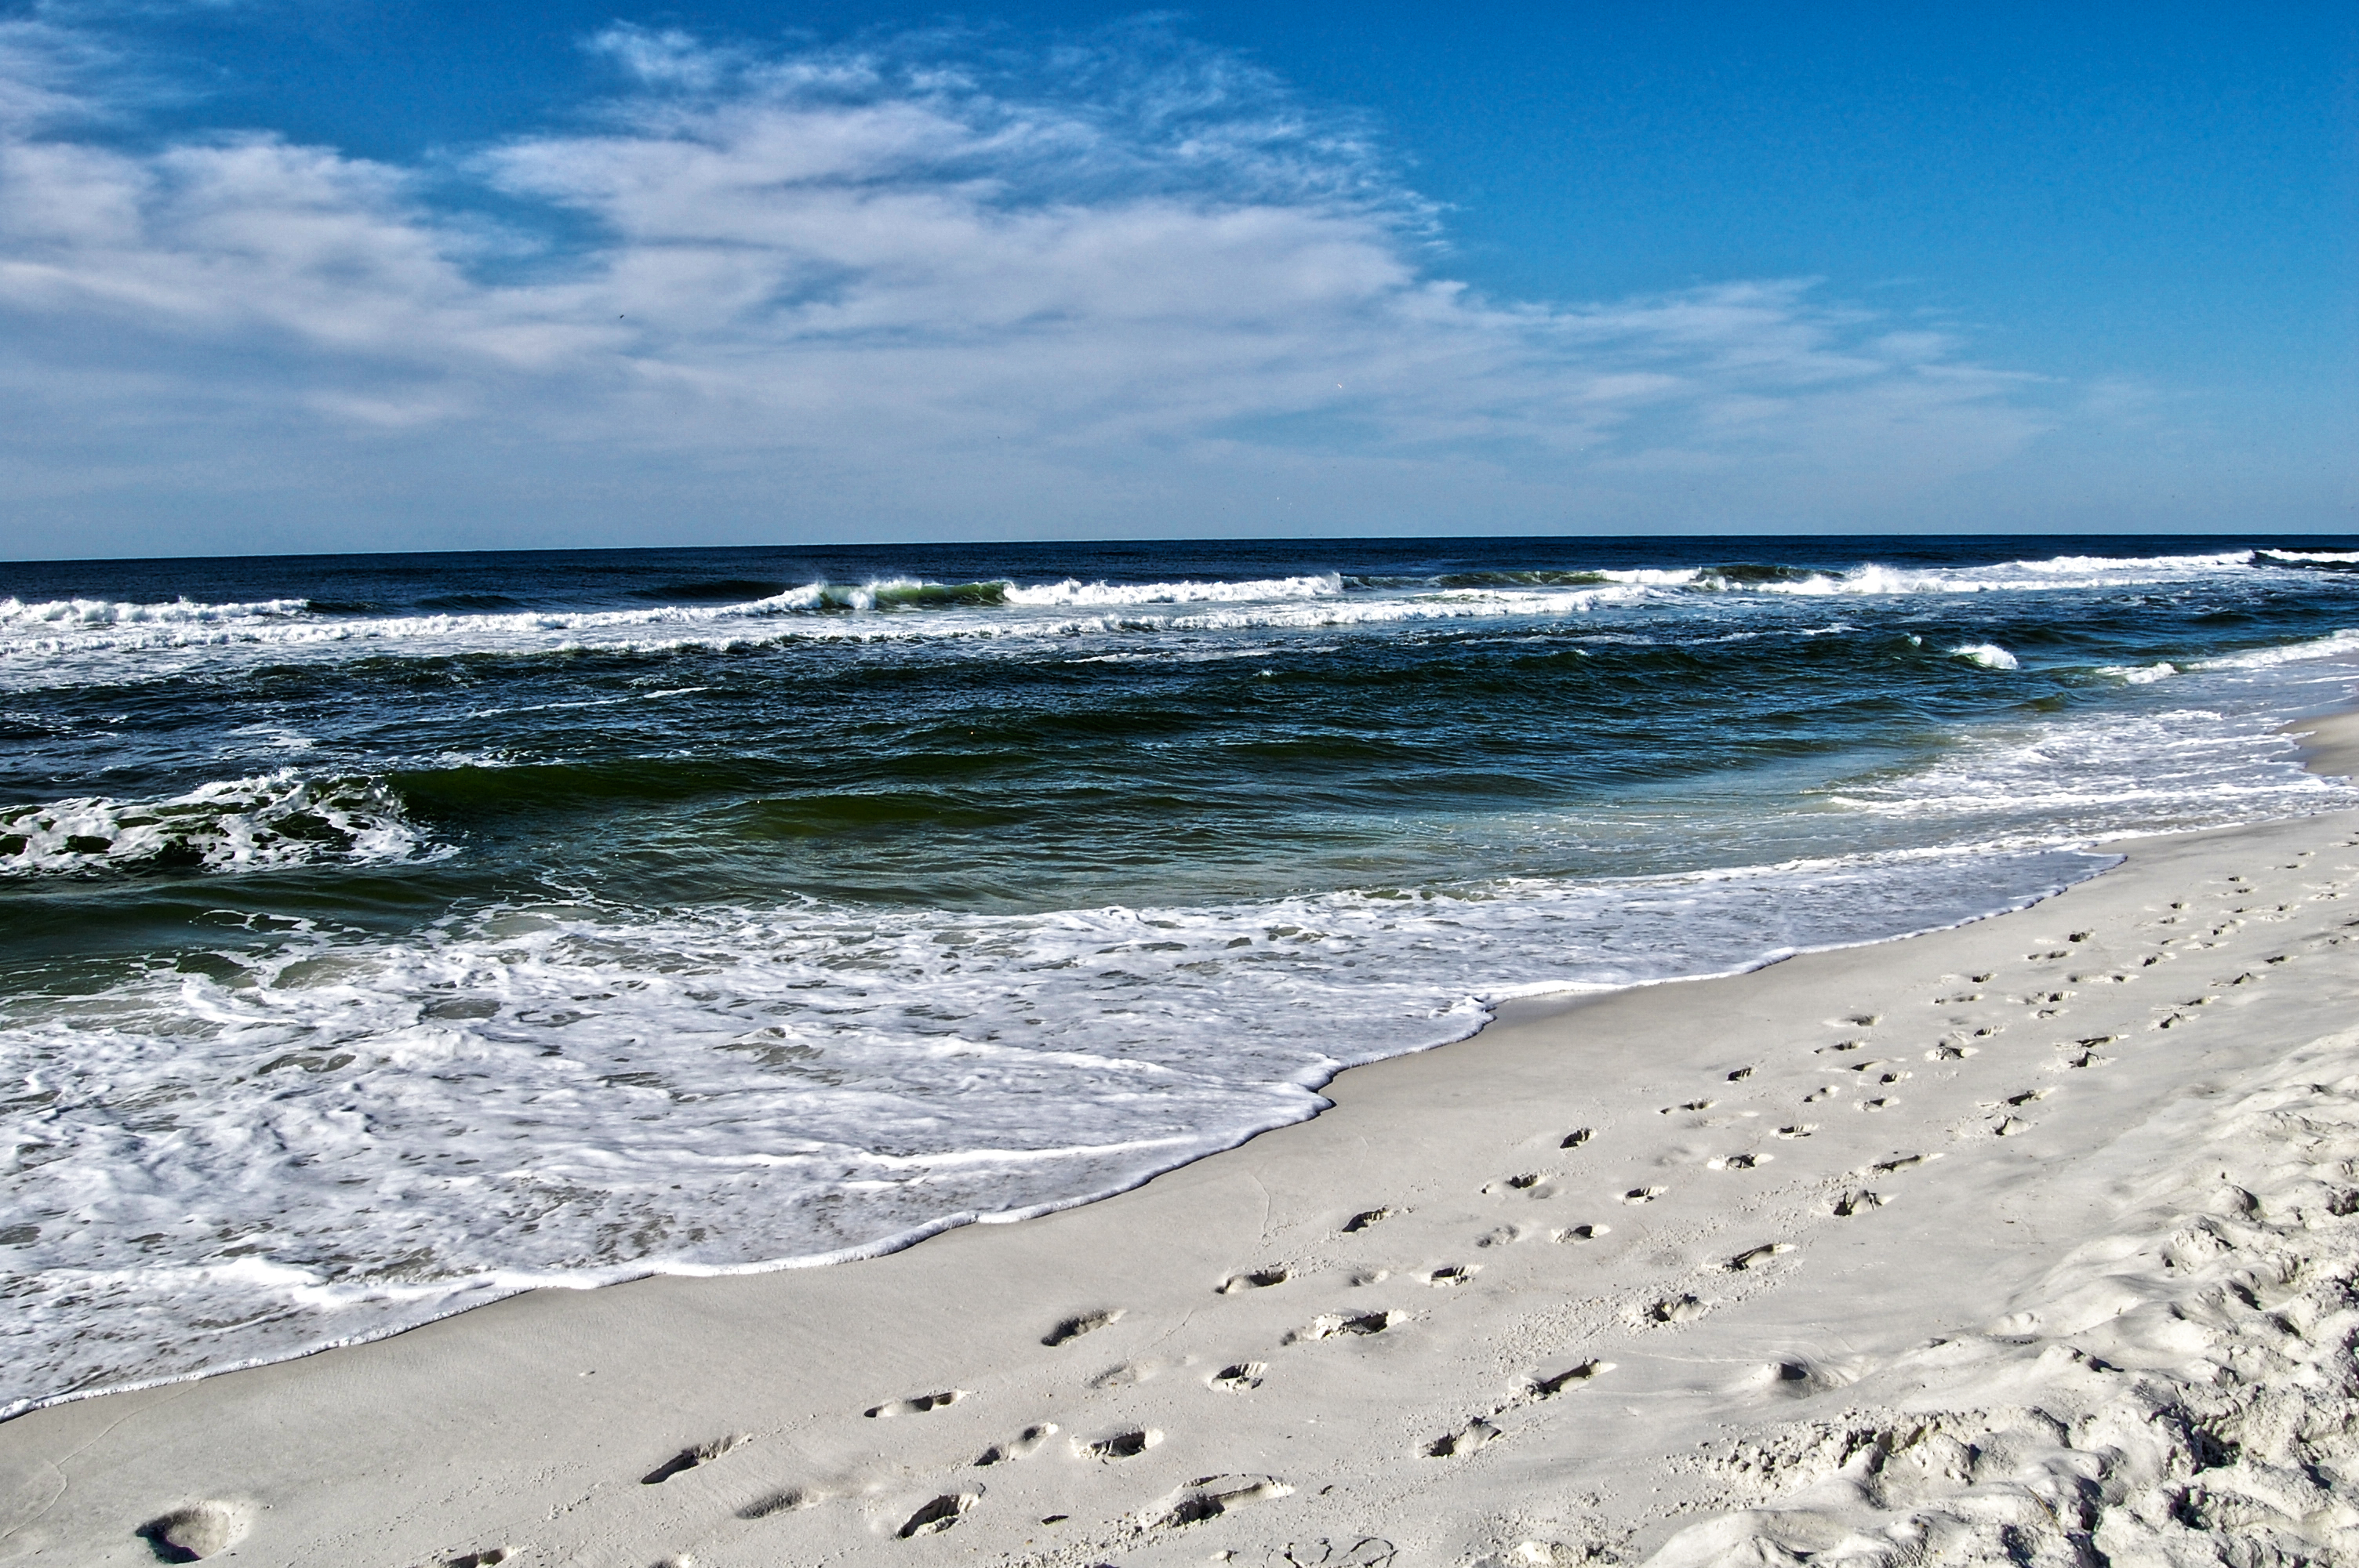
<point x="2029" y="1241"/>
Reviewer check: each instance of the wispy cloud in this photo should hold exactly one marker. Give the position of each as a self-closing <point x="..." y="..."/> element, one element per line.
<point x="920" y="287"/>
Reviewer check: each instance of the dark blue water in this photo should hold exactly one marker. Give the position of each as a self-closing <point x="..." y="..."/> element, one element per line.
<point x="382" y="933"/>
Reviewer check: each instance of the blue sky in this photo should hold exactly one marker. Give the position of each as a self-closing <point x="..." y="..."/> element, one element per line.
<point x="284" y="274"/>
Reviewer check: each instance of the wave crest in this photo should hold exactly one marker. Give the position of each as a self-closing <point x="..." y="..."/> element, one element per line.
<point x="64" y="613"/>
<point x="275" y="819"/>
<point x="1074" y="592"/>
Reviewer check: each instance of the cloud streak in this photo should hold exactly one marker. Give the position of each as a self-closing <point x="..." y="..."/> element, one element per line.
<point x="921" y="289"/>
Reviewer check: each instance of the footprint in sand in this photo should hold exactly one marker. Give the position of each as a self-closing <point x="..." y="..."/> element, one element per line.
<point x="786" y="1500"/>
<point x="1533" y="1183"/>
<point x="1799" y="1378"/>
<point x="939" y="1515"/>
<point x="1210" y="1497"/>
<point x="489" y="1557"/>
<point x="1739" y="1075"/>
<point x="1683" y="1308"/>
<point x="1258" y="1280"/>
<point x="1073" y="1328"/>
<point x="1685" y="1105"/>
<point x="1453" y="1274"/>
<point x="1858" y="1200"/>
<point x="1366" y="1217"/>
<point x="1822" y="1092"/>
<point x="1118" y="1446"/>
<point x="1580" y="1233"/>
<point x="1736" y="1161"/>
<point x="1464" y="1441"/>
<point x="1238" y="1376"/>
<point x="1576" y="1138"/>
<point x="916" y="1404"/>
<point x="1549" y="1388"/>
<point x="1129" y="1374"/>
<point x="689" y="1458"/>
<point x="1745" y="1259"/>
<point x="1798" y="1130"/>
<point x="1642" y="1195"/>
<point x="1333" y="1325"/>
<point x="1886" y="1103"/>
<point x="193" y="1533"/>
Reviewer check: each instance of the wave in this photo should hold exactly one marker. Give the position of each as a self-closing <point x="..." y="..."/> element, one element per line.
<point x="1990" y="656"/>
<point x="2054" y="574"/>
<point x="882" y="594"/>
<point x="2309" y="560"/>
<point x="2342" y="645"/>
<point x="826" y="612"/>
<point x="1873" y="578"/>
<point x="1076" y="593"/>
<point x="273" y="820"/>
<point x="75" y="642"/>
<point x="65" y="613"/>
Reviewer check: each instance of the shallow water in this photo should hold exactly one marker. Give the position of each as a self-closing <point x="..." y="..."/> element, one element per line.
<point x="385" y="934"/>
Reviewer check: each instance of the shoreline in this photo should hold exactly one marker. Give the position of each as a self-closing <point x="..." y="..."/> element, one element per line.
<point x="1546" y="995"/>
<point x="1437" y="1379"/>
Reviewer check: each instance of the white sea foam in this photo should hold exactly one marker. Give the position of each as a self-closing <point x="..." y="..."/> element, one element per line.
<point x="2104" y="775"/>
<point x="2141" y="675"/>
<point x="1990" y="656"/>
<point x="75" y="612"/>
<point x="275" y="819"/>
<point x="2342" y="645"/>
<point x="2054" y="574"/>
<point x="1072" y="592"/>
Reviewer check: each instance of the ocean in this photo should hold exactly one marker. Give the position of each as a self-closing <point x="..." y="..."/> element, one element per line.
<point x="383" y="934"/>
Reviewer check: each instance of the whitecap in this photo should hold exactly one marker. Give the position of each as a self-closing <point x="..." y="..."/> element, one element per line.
<point x="274" y="819"/>
<point x="1073" y="592"/>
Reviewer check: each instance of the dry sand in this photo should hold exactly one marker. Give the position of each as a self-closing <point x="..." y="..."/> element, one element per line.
<point x="2031" y="1241"/>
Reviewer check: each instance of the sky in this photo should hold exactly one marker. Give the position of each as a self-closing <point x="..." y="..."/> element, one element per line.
<point x="285" y="275"/>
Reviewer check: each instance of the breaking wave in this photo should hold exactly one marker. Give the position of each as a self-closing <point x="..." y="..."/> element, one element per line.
<point x="277" y="819"/>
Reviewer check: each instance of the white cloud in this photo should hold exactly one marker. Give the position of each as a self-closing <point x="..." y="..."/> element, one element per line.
<point x="908" y="290"/>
